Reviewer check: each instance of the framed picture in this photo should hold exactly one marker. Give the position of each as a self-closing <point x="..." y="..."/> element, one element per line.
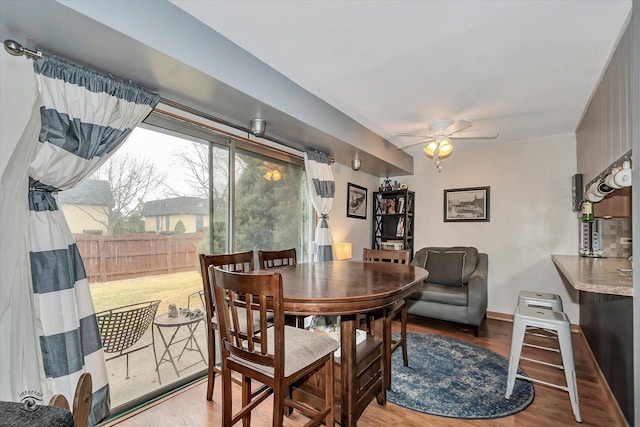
<point x="466" y="204"/>
<point x="356" y="201"/>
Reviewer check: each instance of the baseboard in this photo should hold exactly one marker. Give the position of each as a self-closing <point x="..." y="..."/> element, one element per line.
<point x="505" y="317"/>
<point x="610" y="396"/>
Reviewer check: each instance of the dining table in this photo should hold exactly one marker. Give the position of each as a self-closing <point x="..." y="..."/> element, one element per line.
<point x="346" y="289"/>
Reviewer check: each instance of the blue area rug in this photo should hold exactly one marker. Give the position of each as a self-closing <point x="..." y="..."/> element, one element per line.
<point x="455" y="379"/>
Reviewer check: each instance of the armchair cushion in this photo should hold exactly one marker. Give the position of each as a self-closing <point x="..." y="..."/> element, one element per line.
<point x="446" y="268"/>
<point x="471" y="260"/>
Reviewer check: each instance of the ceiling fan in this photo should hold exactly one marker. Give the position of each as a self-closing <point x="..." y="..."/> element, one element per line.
<point x="439" y="138"/>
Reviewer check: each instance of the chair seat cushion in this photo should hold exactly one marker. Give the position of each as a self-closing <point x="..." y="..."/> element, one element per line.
<point x="301" y="348"/>
<point x="444" y="294"/>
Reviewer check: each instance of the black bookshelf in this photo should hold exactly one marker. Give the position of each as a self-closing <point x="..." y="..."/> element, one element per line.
<point x="393" y="218"/>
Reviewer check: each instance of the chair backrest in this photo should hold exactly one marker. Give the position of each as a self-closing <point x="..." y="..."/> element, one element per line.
<point x="376" y="255"/>
<point x="273" y="259"/>
<point x="239" y="298"/>
<point x="122" y="327"/>
<point x="239" y="261"/>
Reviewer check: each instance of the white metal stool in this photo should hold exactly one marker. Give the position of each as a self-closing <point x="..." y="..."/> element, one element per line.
<point x="540" y="299"/>
<point x="548" y="320"/>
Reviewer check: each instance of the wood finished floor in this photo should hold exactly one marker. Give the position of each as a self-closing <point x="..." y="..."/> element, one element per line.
<point x="550" y="407"/>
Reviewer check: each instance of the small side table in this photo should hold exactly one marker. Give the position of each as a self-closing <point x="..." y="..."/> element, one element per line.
<point x="190" y="343"/>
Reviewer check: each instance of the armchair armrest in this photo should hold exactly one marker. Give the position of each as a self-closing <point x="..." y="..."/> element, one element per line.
<point x="478" y="292"/>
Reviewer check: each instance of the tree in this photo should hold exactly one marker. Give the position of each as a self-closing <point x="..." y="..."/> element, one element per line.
<point x="131" y="180"/>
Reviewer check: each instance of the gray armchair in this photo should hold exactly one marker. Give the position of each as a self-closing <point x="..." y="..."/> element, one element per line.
<point x="456" y="289"/>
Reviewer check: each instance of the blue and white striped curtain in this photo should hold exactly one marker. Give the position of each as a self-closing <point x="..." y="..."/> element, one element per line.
<point x="85" y="117"/>
<point x="322" y="188"/>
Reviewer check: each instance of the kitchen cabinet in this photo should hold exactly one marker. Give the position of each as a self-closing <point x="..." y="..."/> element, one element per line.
<point x="616" y="204"/>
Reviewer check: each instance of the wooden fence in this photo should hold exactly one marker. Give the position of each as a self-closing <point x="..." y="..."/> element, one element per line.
<point x="127" y="256"/>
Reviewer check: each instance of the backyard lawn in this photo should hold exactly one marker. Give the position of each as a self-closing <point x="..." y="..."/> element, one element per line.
<point x="168" y="288"/>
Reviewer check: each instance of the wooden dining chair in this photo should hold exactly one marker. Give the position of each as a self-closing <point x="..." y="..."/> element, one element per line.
<point x="274" y="259"/>
<point x="239" y="261"/>
<point x="81" y="401"/>
<point x="275" y="356"/>
<point x="398" y="309"/>
<point x="281" y="258"/>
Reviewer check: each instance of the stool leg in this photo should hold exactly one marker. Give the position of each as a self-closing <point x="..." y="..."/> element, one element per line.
<point x="517" y="337"/>
<point x="566" y="350"/>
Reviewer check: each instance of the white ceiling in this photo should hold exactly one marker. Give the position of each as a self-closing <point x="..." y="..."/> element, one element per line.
<point x="523" y="68"/>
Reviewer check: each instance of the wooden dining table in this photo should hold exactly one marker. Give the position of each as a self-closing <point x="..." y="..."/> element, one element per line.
<point x="347" y="288"/>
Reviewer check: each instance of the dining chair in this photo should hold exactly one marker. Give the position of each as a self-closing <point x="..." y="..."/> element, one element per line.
<point x="274" y="259"/>
<point x="239" y="261"/>
<point x="281" y="258"/>
<point x="275" y="356"/>
<point x="398" y="309"/>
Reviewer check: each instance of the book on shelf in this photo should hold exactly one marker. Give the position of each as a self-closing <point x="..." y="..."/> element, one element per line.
<point x="401" y="205"/>
<point x="392" y="245"/>
<point x="400" y="228"/>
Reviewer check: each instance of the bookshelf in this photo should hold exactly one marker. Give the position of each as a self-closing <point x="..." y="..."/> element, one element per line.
<point x="393" y="219"/>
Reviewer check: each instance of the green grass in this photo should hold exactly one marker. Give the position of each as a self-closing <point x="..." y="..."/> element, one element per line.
<point x="168" y="288"/>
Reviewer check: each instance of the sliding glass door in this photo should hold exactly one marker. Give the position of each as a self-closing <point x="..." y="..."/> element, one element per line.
<point x="140" y="223"/>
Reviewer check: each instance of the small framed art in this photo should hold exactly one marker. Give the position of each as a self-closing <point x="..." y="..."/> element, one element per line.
<point x="466" y="204"/>
<point x="356" y="201"/>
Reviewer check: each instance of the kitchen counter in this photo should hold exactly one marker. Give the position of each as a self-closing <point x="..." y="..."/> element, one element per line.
<point x="597" y="275"/>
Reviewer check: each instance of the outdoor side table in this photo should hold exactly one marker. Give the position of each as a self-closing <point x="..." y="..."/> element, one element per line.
<point x="163" y="321"/>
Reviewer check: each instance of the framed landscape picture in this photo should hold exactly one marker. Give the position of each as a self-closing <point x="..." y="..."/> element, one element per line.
<point x="466" y="204"/>
<point x="356" y="201"/>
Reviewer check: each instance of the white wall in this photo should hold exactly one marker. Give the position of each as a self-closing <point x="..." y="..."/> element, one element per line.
<point x="354" y="230"/>
<point x="530" y="214"/>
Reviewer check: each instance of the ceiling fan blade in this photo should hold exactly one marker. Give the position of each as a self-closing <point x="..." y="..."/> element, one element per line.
<point x="458" y="126"/>
<point x="412" y="134"/>
<point x="429" y="139"/>
<point x="474" y="136"/>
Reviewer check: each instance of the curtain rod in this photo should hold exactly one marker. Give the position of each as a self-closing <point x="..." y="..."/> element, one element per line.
<point x="16" y="49"/>
<point x="221" y="131"/>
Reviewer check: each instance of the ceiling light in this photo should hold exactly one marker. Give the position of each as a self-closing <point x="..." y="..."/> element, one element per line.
<point x="258" y="127"/>
<point x="355" y="164"/>
<point x="272" y="175"/>
<point x="442" y="146"/>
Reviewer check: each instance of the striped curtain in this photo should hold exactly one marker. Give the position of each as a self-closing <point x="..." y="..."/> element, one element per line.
<point x="322" y="188"/>
<point x="85" y="117"/>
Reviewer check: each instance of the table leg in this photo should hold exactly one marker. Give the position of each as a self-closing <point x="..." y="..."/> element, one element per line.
<point x="383" y="333"/>
<point x="190" y="341"/>
<point x="348" y="368"/>
<point x="168" y="351"/>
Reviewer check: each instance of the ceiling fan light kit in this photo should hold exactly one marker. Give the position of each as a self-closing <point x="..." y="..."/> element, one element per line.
<point x="439" y="137"/>
<point x="443" y="147"/>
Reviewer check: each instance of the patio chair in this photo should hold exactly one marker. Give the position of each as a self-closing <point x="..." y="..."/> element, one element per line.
<point x="240" y="261"/>
<point x="275" y="356"/>
<point x="122" y="329"/>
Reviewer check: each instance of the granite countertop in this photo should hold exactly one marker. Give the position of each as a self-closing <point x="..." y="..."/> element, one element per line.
<point x="598" y="275"/>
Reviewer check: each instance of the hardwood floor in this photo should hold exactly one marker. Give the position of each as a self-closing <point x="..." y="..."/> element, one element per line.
<point x="550" y="407"/>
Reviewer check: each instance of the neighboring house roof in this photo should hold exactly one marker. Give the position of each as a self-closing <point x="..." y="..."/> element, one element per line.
<point x="94" y="192"/>
<point x="176" y="206"/>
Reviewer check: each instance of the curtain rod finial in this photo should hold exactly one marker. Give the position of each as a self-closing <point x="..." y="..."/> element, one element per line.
<point x="13" y="47"/>
<point x="16" y="49"/>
